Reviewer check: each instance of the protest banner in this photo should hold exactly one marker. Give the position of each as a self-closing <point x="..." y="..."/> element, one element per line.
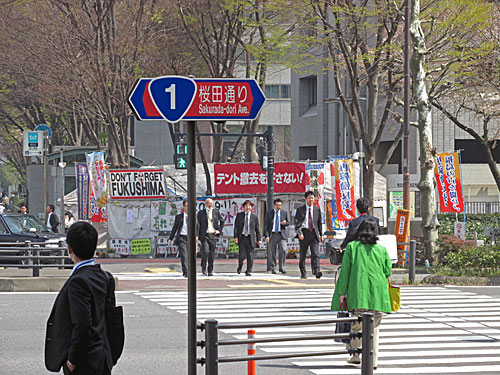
<point x="449" y="183"/>
<point x="98" y="185"/>
<point x="137" y="184"/>
<point x="344" y="189"/>
<point x="402" y="232"/>
<point x="82" y="191"/>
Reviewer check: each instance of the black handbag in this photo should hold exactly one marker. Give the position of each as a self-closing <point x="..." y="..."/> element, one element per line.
<point x="343" y="327"/>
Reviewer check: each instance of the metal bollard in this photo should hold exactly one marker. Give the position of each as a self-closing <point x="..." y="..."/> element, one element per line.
<point x="211" y="348"/>
<point x="61" y="253"/>
<point x="411" y="261"/>
<point x="36" y="270"/>
<point x="252" y="350"/>
<point x="367" y="353"/>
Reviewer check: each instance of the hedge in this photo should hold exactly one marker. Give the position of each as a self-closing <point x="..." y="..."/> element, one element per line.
<point x="474" y="224"/>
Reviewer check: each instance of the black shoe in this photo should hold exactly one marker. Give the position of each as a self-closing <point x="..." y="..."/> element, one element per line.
<point x="204" y="272"/>
<point x="273" y="272"/>
<point x="210" y="274"/>
<point x="283" y="272"/>
<point x="303" y="277"/>
<point x="248" y="273"/>
<point x="185" y="275"/>
<point x="238" y="270"/>
<point x="319" y="274"/>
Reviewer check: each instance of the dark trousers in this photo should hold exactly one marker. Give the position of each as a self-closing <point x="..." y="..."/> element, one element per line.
<point x="207" y="251"/>
<point x="310" y="241"/>
<point x="182" y="247"/>
<point x="276" y="241"/>
<point x="246" y="251"/>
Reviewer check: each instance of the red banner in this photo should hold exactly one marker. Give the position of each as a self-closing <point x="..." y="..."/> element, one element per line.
<point x="250" y="179"/>
<point x="344" y="189"/>
<point x="449" y="183"/>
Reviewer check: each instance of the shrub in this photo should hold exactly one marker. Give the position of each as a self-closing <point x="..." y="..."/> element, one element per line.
<point x="449" y="244"/>
<point x="475" y="224"/>
<point x="472" y="261"/>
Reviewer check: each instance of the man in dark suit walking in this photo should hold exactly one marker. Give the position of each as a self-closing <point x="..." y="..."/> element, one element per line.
<point x="180" y="231"/>
<point x="246" y="236"/>
<point x="210" y="225"/>
<point x="309" y="228"/>
<point x="52" y="219"/>
<point x="275" y="224"/>
<point x="363" y="205"/>
<point x="76" y="338"/>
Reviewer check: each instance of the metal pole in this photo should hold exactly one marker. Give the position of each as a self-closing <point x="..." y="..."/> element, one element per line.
<point x="191" y="246"/>
<point x="62" y="165"/>
<point x="361" y="169"/>
<point x="45" y="151"/>
<point x="36" y="270"/>
<point x="407" y="96"/>
<point x="367" y="344"/>
<point x="411" y="261"/>
<point x="252" y="350"/>
<point x="211" y="353"/>
<point x="270" y="167"/>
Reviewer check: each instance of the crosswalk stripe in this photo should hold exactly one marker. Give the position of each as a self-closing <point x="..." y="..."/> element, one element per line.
<point x="439" y="330"/>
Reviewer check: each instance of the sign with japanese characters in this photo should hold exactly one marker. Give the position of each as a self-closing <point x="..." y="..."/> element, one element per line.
<point x="344" y="189"/>
<point x="315" y="181"/>
<point x="83" y="191"/>
<point x="98" y="185"/>
<point x="121" y="246"/>
<point x="402" y="232"/>
<point x="163" y="214"/>
<point x="140" y="246"/>
<point x="175" y="98"/>
<point x="447" y="171"/>
<point x="137" y="184"/>
<point x="250" y="179"/>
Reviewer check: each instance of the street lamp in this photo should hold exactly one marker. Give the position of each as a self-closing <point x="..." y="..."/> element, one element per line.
<point x="62" y="165"/>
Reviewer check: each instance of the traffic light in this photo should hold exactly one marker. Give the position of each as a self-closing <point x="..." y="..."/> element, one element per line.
<point x="180" y="151"/>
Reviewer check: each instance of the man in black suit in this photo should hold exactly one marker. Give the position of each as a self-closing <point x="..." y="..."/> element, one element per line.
<point x="52" y="219"/>
<point x="76" y="338"/>
<point x="275" y="224"/>
<point x="210" y="225"/>
<point x="363" y="205"/>
<point x="309" y="228"/>
<point x="180" y="231"/>
<point x="246" y="236"/>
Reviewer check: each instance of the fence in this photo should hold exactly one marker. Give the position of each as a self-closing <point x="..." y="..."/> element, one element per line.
<point x="31" y="255"/>
<point x="212" y="342"/>
<point x="479" y="207"/>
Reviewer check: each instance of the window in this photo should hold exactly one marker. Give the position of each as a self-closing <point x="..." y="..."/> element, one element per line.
<point x="307" y="153"/>
<point x="308" y="93"/>
<point x="3" y="229"/>
<point x="277" y="91"/>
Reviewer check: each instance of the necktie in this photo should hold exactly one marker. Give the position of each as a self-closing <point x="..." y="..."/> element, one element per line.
<point x="310" y="221"/>
<point x="276" y="221"/>
<point x="247" y="230"/>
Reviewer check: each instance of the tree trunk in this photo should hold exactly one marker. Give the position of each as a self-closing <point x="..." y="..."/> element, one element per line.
<point x="426" y="185"/>
<point x="369" y="182"/>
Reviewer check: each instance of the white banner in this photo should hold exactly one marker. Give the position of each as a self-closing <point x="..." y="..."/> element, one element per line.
<point x="137" y="184"/>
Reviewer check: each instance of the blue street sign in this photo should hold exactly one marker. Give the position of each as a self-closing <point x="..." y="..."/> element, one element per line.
<point x="141" y="103"/>
<point x="175" y="98"/>
<point x="172" y="96"/>
<point x="43" y="128"/>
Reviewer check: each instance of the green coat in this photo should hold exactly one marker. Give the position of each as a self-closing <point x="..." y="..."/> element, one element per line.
<point x="363" y="277"/>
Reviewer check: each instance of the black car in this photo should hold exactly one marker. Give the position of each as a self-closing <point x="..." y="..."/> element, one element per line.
<point x="19" y="228"/>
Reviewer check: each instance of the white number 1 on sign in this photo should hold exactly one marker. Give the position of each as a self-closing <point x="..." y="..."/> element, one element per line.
<point x="171" y="90"/>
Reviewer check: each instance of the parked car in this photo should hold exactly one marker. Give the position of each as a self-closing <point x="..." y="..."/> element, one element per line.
<point x="19" y="228"/>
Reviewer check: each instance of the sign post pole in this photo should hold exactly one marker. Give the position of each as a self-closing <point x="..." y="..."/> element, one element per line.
<point x="191" y="178"/>
<point x="270" y="167"/>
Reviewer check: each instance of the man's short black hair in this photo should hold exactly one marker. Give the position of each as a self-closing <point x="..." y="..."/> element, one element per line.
<point x="248" y="201"/>
<point x="184" y="202"/>
<point x="22" y="205"/>
<point x="52" y="208"/>
<point x="363" y="204"/>
<point x="278" y="200"/>
<point x="308" y="193"/>
<point x="82" y="238"/>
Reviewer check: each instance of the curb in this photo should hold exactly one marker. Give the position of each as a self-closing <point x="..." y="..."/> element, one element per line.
<point x="32" y="284"/>
<point x="462" y="280"/>
<point x="35" y="284"/>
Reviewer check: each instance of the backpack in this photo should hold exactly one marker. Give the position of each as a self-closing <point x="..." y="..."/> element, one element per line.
<point x="114" y="321"/>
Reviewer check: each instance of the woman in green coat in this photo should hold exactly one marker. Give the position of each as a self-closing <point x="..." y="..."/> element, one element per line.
<point x="363" y="282"/>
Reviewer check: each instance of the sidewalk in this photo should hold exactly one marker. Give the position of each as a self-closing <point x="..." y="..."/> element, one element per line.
<point x="52" y="279"/>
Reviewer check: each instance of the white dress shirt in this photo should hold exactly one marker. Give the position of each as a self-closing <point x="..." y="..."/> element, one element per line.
<point x="184" y="230"/>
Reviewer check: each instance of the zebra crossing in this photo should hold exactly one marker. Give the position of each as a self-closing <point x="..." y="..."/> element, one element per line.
<point x="439" y="330"/>
<point x="173" y="275"/>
